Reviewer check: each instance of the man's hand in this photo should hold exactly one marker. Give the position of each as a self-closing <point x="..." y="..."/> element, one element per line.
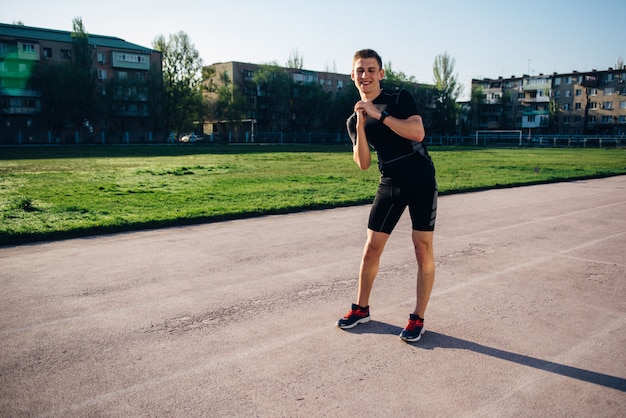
<point x="364" y="108"/>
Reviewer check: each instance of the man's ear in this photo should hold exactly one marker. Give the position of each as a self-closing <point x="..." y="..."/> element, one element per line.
<point x="382" y="74"/>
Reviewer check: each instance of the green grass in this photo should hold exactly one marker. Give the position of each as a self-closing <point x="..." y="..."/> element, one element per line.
<point x="61" y="192"/>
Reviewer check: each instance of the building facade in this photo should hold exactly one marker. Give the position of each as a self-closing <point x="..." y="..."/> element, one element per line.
<point x="289" y="107"/>
<point x="124" y="107"/>
<point x="589" y="103"/>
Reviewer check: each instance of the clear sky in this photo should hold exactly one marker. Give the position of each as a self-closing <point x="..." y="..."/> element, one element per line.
<point x="487" y="38"/>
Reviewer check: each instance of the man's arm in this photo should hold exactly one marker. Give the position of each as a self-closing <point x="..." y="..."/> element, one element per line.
<point x="361" y="153"/>
<point x="411" y="128"/>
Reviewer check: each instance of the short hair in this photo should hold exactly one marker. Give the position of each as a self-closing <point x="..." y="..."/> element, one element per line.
<point x="367" y="53"/>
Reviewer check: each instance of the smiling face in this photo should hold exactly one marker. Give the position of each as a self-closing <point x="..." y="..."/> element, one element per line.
<point x="366" y="73"/>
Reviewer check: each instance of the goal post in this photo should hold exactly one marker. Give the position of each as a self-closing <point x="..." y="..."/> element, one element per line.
<point x="499" y="135"/>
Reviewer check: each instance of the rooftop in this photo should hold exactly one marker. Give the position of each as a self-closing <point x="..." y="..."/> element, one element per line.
<point x="28" y="32"/>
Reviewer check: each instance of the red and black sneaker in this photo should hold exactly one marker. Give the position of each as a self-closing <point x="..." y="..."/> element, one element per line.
<point x="356" y="316"/>
<point x="414" y="329"/>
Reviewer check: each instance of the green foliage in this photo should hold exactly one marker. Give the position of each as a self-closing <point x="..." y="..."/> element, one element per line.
<point x="68" y="90"/>
<point x="448" y="91"/>
<point x="182" y="82"/>
<point x="49" y="192"/>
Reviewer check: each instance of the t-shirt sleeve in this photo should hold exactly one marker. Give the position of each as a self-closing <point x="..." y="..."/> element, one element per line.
<point x="406" y="105"/>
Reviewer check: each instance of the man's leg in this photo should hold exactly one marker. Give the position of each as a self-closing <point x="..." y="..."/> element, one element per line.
<point x="369" y="264"/>
<point x="423" y="242"/>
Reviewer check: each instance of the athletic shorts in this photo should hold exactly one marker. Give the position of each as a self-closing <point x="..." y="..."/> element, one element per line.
<point x="393" y="197"/>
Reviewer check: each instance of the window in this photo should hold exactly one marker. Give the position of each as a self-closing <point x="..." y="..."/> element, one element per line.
<point x="577" y="119"/>
<point x="531" y="118"/>
<point x="591" y="119"/>
<point x="122" y="75"/>
<point x="579" y="92"/>
<point x="566" y="120"/>
<point x="592" y="92"/>
<point x="568" y="80"/>
<point x="607" y="105"/>
<point x="622" y="105"/>
<point x="566" y="106"/>
<point x="568" y="93"/>
<point x="101" y="59"/>
<point x="3" y="47"/>
<point x="557" y="81"/>
<point x="28" y="48"/>
<point x="593" y="105"/>
<point x="608" y="91"/>
<point x="102" y="74"/>
<point x="66" y="53"/>
<point x="47" y="52"/>
<point x="622" y="119"/>
<point x="132" y="58"/>
<point x="23" y="68"/>
<point x="606" y="119"/>
<point x="577" y="106"/>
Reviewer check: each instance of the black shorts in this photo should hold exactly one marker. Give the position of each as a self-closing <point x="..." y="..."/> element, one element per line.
<point x="393" y="196"/>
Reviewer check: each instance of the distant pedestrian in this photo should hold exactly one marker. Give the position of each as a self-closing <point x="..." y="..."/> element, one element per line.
<point x="389" y="122"/>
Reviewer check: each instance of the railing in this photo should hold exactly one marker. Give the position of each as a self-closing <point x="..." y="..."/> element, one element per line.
<point x="493" y="139"/>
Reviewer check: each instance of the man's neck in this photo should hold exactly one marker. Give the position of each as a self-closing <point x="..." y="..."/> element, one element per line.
<point x="371" y="95"/>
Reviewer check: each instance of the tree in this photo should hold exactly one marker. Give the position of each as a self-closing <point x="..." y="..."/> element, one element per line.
<point x="448" y="91"/>
<point x="182" y="82"/>
<point x="295" y="60"/>
<point x="68" y="89"/>
<point x="274" y="86"/>
<point x="83" y="87"/>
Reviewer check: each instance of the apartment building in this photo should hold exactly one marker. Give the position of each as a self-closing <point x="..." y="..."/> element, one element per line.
<point x="586" y="103"/>
<point x="263" y="113"/>
<point x="126" y="114"/>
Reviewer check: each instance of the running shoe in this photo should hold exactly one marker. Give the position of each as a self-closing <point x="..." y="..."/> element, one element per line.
<point x="356" y="316"/>
<point x="414" y="329"/>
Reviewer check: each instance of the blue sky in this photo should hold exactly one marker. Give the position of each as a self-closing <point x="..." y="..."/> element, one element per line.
<point x="487" y="38"/>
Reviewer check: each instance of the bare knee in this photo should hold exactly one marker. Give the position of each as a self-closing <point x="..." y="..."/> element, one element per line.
<point x="372" y="251"/>
<point x="375" y="245"/>
<point x="423" y="248"/>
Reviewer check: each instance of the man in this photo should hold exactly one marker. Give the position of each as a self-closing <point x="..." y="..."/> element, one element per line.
<point x="390" y="124"/>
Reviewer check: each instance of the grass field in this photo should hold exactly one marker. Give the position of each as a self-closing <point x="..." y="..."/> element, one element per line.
<point x="62" y="192"/>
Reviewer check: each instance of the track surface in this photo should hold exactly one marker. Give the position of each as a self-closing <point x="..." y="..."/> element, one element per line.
<point x="527" y="317"/>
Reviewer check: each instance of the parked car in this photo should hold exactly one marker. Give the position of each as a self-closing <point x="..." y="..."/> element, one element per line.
<point x="190" y="137"/>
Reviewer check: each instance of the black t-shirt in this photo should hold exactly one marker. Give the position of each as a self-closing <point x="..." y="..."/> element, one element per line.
<point x="392" y="149"/>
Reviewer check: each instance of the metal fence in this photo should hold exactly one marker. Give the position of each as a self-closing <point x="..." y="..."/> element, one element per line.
<point x="551" y="141"/>
<point x="485" y="139"/>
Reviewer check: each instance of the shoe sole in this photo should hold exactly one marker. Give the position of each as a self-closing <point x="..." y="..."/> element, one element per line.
<point x="415" y="339"/>
<point x="360" y="321"/>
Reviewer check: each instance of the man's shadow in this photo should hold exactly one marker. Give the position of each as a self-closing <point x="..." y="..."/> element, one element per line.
<point x="432" y="340"/>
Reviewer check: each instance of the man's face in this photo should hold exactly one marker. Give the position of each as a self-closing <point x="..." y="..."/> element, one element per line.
<point x="367" y="74"/>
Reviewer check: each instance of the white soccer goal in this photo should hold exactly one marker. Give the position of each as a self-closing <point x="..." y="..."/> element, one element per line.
<point x="499" y="137"/>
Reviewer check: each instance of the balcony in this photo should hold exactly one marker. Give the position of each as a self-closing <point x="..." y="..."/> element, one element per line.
<point x="536" y="99"/>
<point x="535" y="112"/>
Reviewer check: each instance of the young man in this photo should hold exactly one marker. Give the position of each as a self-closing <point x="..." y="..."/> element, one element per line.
<point x="390" y="124"/>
